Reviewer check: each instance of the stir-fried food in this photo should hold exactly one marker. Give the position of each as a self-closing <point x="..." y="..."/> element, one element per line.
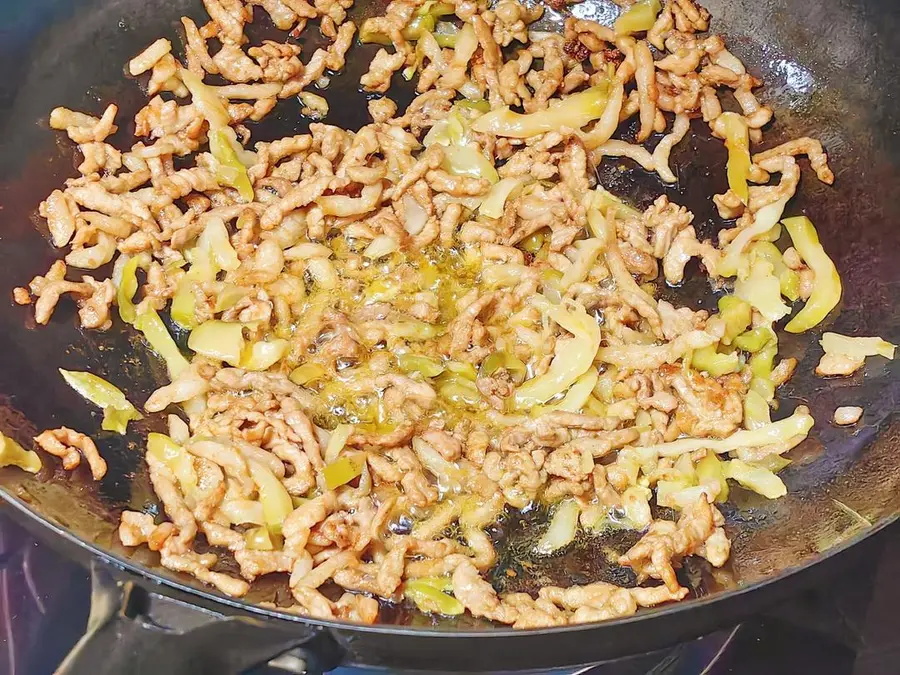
<point x="402" y="333"/>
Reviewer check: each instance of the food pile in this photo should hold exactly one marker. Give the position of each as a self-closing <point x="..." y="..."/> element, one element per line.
<point x="401" y="334"/>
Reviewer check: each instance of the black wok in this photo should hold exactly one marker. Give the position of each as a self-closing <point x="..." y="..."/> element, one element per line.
<point x="831" y="72"/>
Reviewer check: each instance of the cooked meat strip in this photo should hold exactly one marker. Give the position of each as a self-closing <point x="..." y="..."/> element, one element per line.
<point x="400" y="333"/>
<point x="71" y="446"/>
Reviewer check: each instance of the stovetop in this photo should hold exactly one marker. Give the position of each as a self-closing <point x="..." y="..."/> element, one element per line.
<point x="849" y="626"/>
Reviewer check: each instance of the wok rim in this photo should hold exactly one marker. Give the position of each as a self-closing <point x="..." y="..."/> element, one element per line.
<point x="665" y="611"/>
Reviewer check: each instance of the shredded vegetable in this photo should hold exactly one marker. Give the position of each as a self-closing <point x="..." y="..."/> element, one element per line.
<point x="264" y="354"/>
<point x="336" y="441"/>
<point x="503" y="359"/>
<point x="737" y="142"/>
<point x="220" y="340"/>
<point x="415" y="363"/>
<point x="588" y="252"/>
<point x="788" y="279"/>
<point x="446" y="34"/>
<point x="463" y="369"/>
<point x="762" y="362"/>
<point x="156" y="334"/>
<point x="430" y="599"/>
<point x="709" y="360"/>
<point x="754" y="340"/>
<point x="756" y="410"/>
<point x="563" y="525"/>
<point x="638" y="18"/>
<point x="574" y="111"/>
<point x="468" y="160"/>
<point x="420" y="24"/>
<point x="756" y="478"/>
<point x="13" y="454"/>
<point x="680" y="494"/>
<point x="466" y="44"/>
<point x="381" y="246"/>
<point x="493" y="204"/>
<point x="259" y="539"/>
<point x="308" y="372"/>
<point x="206" y="100"/>
<point x="797" y="424"/>
<point x="117" y="410"/>
<point x="127" y="287"/>
<point x="214" y="239"/>
<point x="229" y="169"/>
<point x="243" y="511"/>
<point x="736" y="314"/>
<point x="826" y="292"/>
<point x="570" y="362"/>
<point x="342" y="470"/>
<point x="276" y="501"/>
<point x="858" y="347"/>
<point x="414" y="330"/>
<point x="762" y="290"/>
<point x="710" y="471"/>
<point x="604" y="201"/>
<point x="182" y="309"/>
<point x="223" y="145"/>
<point x="579" y="393"/>
<point x="179" y="461"/>
<point x="734" y="261"/>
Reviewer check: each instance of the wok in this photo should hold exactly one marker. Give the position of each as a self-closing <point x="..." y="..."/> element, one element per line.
<point x="831" y="72"/>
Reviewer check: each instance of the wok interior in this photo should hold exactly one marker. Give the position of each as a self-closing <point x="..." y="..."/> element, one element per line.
<point x="818" y="63"/>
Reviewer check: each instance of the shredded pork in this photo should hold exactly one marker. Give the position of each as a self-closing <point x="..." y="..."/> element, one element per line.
<point x="407" y="329"/>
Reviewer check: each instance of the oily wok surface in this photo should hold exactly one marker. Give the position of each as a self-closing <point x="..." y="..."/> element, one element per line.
<point x="829" y="74"/>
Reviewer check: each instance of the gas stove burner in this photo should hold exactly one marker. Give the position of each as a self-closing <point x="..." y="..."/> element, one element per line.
<point x="42" y="594"/>
<point x="703" y="656"/>
<point x="844" y="629"/>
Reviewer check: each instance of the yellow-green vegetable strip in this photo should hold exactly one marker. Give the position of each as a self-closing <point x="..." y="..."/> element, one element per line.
<point x="117" y="410"/>
<point x="826" y="291"/>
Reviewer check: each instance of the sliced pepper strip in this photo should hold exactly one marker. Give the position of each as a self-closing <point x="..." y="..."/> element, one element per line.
<point x="179" y="461"/>
<point x="638" y="18"/>
<point x="709" y="360"/>
<point x="230" y="171"/>
<point x="430" y="600"/>
<point x="156" y="333"/>
<point x="574" y="112"/>
<point x="736" y="314"/>
<point x="221" y="340"/>
<point x="117" y="410"/>
<point x="835" y="343"/>
<point x="737" y="142"/>
<point x="756" y="478"/>
<point x="762" y="290"/>
<point x="13" y="454"/>
<point x="342" y="470"/>
<point x="223" y="142"/>
<point x="422" y="23"/>
<point x="128" y="286"/>
<point x="276" y="501"/>
<point x="826" y="293"/>
<point x="734" y="261"/>
<point x="183" y="305"/>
